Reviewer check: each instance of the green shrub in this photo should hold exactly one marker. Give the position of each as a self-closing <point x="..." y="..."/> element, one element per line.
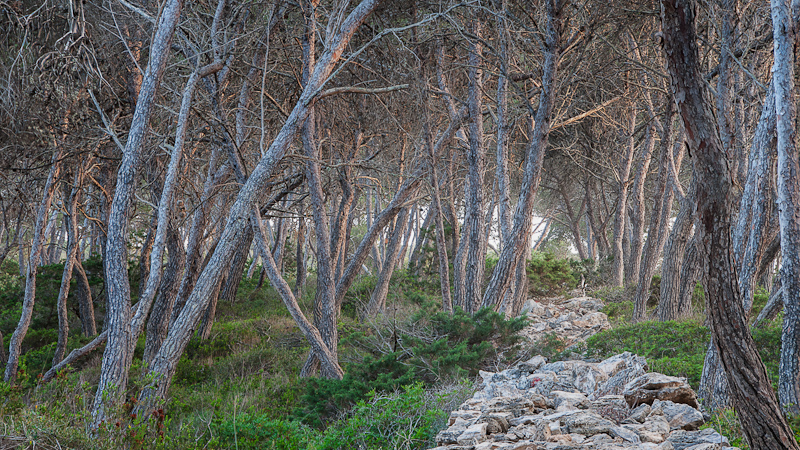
<point x="456" y="345"/>
<point x="258" y="431"/>
<point x="407" y="419"/>
<point x="672" y="348"/>
<point x="619" y="312"/>
<point x="549" y="276"/>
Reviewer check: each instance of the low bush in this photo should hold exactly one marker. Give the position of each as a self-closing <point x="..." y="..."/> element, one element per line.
<point x="549" y="276"/>
<point x="451" y="347"/>
<point x="672" y="348"/>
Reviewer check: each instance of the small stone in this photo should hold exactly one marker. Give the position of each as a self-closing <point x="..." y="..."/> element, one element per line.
<point x="475" y="434"/>
<point x="679" y="415"/>
<point x="639" y="414"/>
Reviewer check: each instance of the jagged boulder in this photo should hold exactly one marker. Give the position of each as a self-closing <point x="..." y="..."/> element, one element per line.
<point x="656" y="386"/>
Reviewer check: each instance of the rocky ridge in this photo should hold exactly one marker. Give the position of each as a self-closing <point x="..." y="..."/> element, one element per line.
<point x="609" y="405"/>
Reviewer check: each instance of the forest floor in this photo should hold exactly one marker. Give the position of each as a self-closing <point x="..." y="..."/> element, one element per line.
<point x="240" y="388"/>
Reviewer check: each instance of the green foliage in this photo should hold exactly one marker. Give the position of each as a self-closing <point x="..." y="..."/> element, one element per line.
<point x="619" y="312"/>
<point x="550" y="346"/>
<point x="407" y="419"/>
<point x="259" y="431"/>
<point x="768" y="343"/>
<point x="549" y="276"/>
<point x="458" y="345"/>
<point x="672" y="348"/>
<point x="726" y="422"/>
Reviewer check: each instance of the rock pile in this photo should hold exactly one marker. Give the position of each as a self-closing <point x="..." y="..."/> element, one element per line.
<point x="572" y="320"/>
<point x="611" y="405"/>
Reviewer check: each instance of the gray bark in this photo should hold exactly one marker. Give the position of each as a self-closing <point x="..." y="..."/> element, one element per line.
<point x="15" y="344"/>
<point x="656" y="236"/>
<point x="377" y="301"/>
<point x="239" y="218"/>
<point x="474" y="223"/>
<point x="763" y="423"/>
<point x="159" y="320"/>
<point x="623" y="178"/>
<point x="669" y="305"/>
<point x="118" y="353"/>
<point x="784" y="42"/>
<point x="515" y="250"/>
<point x="70" y="197"/>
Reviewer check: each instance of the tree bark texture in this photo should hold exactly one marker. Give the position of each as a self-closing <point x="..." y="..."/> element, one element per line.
<point x="658" y="218"/>
<point x="70" y="196"/>
<point x="784" y="43"/>
<point x="474" y="223"/>
<point x="623" y="175"/>
<point x="240" y="215"/>
<point x="759" y="413"/>
<point x="514" y="251"/>
<point x="114" y="369"/>
<point x="15" y="343"/>
<point x="83" y="294"/>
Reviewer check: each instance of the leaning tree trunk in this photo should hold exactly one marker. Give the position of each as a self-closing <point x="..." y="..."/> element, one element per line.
<point x="230" y="286"/>
<point x="784" y="39"/>
<point x="15" y="344"/>
<point x="515" y="250"/>
<point x="158" y="322"/>
<point x="759" y="412"/>
<point x="239" y="217"/>
<point x="377" y="301"/>
<point x="114" y="369"/>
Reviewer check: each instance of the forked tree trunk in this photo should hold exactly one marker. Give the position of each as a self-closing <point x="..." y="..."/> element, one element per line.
<point x="240" y="216"/>
<point x="656" y="235"/>
<point x="515" y="250"/>
<point x="759" y="412"/>
<point x="377" y="301"/>
<point x="118" y="353"/>
<point x="474" y="223"/>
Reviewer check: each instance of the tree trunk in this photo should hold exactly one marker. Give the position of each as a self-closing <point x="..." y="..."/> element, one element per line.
<point x="159" y="320"/>
<point x="623" y="175"/>
<point x="515" y="250"/>
<point x="15" y="344"/>
<point x="300" y="279"/>
<point x="669" y="305"/>
<point x="759" y="413"/>
<point x="230" y="287"/>
<point x="70" y="197"/>
<point x="241" y="213"/>
<point x="83" y="294"/>
<point x="377" y="301"/>
<point x="784" y="39"/>
<point x="659" y="218"/>
<point x="118" y="353"/>
<point x="474" y="222"/>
